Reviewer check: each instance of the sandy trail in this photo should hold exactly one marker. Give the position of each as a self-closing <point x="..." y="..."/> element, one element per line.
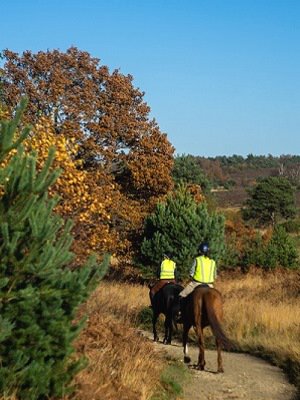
<point x="245" y="376"/>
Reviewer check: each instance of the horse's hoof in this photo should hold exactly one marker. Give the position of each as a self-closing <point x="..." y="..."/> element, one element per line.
<point x="220" y="370"/>
<point x="187" y="359"/>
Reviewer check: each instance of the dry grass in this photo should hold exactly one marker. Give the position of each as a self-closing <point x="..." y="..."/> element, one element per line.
<point x="122" y="364"/>
<point x="262" y="314"/>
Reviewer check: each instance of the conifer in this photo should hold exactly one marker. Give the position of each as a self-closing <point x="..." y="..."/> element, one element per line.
<point x="39" y="294"/>
<point x="177" y="227"/>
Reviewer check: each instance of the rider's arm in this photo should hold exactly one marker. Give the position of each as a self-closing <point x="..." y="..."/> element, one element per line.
<point x="158" y="272"/>
<point x="176" y="274"/>
<point x="192" y="270"/>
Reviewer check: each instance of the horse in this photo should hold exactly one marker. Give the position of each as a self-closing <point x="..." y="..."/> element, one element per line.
<point x="202" y="308"/>
<point x="164" y="302"/>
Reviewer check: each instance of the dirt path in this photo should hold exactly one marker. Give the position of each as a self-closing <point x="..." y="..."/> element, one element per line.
<point x="245" y="377"/>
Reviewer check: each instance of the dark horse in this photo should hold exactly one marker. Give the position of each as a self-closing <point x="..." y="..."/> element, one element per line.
<point x="202" y="308"/>
<point x="164" y="302"/>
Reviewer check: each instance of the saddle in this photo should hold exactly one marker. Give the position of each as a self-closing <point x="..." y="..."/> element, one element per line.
<point x="159" y="285"/>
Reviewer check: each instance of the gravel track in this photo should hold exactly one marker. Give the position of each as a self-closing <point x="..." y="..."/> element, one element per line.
<point x="245" y="377"/>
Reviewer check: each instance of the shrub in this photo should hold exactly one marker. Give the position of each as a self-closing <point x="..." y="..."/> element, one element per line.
<point x="231" y="255"/>
<point x="253" y="254"/>
<point x="281" y="251"/>
<point x="292" y="225"/>
<point x="278" y="251"/>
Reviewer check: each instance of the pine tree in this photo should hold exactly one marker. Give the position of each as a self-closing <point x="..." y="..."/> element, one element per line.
<point x="39" y="294"/>
<point x="177" y="227"/>
<point x="281" y="250"/>
<point x="186" y="170"/>
<point x="270" y="201"/>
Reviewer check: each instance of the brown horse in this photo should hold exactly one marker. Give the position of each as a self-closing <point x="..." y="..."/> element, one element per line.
<point x="202" y="308"/>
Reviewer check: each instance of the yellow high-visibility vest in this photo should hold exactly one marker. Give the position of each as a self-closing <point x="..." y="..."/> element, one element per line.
<point x="167" y="269"/>
<point x="205" y="271"/>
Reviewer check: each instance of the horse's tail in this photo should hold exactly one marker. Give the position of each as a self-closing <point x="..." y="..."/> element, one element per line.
<point x="216" y="324"/>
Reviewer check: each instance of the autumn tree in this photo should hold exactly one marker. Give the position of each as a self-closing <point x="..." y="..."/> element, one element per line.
<point x="127" y="160"/>
<point x="80" y="196"/>
<point x="238" y="237"/>
<point x="213" y="169"/>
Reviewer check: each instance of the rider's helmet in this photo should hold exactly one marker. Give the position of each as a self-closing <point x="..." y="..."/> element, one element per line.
<point x="167" y="255"/>
<point x="204" y="248"/>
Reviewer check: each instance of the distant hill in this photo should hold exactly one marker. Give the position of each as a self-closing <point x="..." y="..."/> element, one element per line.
<point x="231" y="176"/>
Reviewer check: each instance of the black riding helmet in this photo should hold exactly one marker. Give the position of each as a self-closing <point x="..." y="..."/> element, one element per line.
<point x="204" y="248"/>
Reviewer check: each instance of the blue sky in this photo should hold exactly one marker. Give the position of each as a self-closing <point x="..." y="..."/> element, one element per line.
<point x="221" y="77"/>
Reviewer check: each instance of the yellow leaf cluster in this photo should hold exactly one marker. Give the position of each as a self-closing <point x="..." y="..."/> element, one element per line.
<point x="81" y="198"/>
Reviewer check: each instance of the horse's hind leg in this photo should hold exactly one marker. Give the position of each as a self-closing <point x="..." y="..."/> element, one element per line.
<point x="168" y="330"/>
<point x="154" y="320"/>
<point x="220" y="361"/>
<point x="185" y="335"/>
<point x="201" y="360"/>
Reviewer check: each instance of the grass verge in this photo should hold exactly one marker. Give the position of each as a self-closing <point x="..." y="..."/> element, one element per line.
<point x="172" y="380"/>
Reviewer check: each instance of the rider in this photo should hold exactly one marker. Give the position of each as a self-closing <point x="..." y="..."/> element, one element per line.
<point x="166" y="273"/>
<point x="203" y="272"/>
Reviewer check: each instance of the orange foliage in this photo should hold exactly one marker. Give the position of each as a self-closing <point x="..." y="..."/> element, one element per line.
<point x="81" y="198"/>
<point x="101" y="119"/>
<point x="236" y="231"/>
<point x="196" y="192"/>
